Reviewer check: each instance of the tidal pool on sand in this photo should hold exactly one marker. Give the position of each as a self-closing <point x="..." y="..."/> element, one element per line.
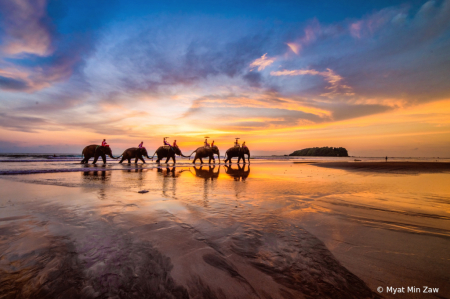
<point x="269" y="230"/>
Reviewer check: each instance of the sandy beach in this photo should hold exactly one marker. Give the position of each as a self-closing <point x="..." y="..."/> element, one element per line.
<point x="266" y="230"/>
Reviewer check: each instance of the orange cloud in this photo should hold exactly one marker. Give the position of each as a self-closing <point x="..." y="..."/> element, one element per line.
<point x="294" y="47"/>
<point x="262" y="62"/>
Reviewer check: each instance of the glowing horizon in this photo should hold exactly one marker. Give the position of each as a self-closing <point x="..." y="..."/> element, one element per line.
<point x="371" y="79"/>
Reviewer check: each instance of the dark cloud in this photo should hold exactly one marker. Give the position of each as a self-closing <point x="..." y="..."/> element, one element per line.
<point x="13" y="84"/>
<point x="253" y="79"/>
<point x="23" y="123"/>
<point x="398" y="53"/>
<point x="343" y="111"/>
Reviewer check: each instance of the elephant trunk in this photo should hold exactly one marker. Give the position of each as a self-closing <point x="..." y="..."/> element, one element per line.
<point x="181" y="154"/>
<point x="248" y="157"/>
<point x="218" y="155"/>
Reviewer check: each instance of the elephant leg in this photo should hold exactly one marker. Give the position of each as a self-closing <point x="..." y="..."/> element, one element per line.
<point x="129" y="160"/>
<point x="243" y="158"/>
<point x="167" y="160"/>
<point x="201" y="160"/>
<point x="239" y="160"/>
<point x="95" y="159"/>
<point x="174" y="160"/>
<point x="122" y="160"/>
<point x="104" y="159"/>
<point x="195" y="158"/>
<point x="142" y="159"/>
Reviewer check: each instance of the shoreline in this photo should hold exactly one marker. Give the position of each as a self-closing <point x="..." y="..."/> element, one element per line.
<point x="389" y="167"/>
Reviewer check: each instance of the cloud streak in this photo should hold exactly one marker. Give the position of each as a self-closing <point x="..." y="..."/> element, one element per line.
<point x="331" y="77"/>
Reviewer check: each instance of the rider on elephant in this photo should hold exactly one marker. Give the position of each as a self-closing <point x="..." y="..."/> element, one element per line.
<point x="243" y="144"/>
<point x="104" y="143"/>
<point x="175" y="143"/>
<point x="206" y="143"/>
<point x="141" y="145"/>
<point x="212" y="144"/>
<point x="165" y="142"/>
<point x="236" y="143"/>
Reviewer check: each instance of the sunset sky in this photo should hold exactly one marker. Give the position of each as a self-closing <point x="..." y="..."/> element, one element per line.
<point x="370" y="76"/>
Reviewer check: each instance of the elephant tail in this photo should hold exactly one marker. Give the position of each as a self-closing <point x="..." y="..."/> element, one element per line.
<point x="192" y="154"/>
<point x="153" y="155"/>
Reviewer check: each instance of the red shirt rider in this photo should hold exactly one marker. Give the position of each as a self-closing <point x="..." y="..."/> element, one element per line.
<point x="104" y="143"/>
<point x="212" y="144"/>
<point x="174" y="143"/>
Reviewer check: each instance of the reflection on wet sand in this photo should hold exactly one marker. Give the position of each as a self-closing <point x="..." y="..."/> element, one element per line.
<point x="221" y="232"/>
<point x="207" y="172"/>
<point x="241" y="173"/>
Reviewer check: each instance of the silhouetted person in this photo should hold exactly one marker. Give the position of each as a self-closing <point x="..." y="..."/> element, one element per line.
<point x="386" y="158"/>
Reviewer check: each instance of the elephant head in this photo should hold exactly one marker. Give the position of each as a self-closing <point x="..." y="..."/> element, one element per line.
<point x="107" y="151"/>
<point x="215" y="151"/>
<point x="178" y="151"/>
<point x="143" y="152"/>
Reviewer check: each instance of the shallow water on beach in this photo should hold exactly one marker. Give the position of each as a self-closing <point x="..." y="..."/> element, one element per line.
<point x="272" y="229"/>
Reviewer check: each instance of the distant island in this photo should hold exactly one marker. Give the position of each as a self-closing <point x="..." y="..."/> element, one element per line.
<point x="322" y="152"/>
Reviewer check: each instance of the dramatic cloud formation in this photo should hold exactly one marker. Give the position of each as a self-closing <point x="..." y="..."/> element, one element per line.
<point x="76" y="72"/>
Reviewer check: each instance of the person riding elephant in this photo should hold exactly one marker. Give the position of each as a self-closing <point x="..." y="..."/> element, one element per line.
<point x="96" y="151"/>
<point x="169" y="153"/>
<point x="237" y="152"/>
<point x="204" y="151"/>
<point x="136" y="153"/>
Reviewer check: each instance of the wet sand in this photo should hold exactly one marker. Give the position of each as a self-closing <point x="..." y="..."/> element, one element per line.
<point x="391" y="167"/>
<point x="272" y="230"/>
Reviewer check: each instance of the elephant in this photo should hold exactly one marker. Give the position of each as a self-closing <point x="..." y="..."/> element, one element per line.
<point x="237" y="152"/>
<point x="96" y="151"/>
<point x="204" y="151"/>
<point x="238" y="174"/>
<point x="134" y="152"/>
<point x="164" y="152"/>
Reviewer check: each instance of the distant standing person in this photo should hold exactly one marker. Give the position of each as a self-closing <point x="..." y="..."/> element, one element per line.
<point x="386" y="158"/>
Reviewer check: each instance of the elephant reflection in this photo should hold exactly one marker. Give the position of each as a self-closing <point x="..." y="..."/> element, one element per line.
<point x="97" y="177"/>
<point x="207" y="172"/>
<point x="170" y="172"/>
<point x="238" y="174"/>
<point x="102" y="176"/>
